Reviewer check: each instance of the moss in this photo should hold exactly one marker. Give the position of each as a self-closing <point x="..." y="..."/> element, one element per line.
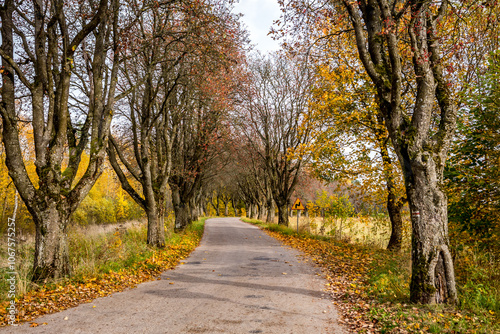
<point x="420" y="290"/>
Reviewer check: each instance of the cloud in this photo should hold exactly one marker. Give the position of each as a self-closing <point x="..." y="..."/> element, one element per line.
<point x="258" y="17"/>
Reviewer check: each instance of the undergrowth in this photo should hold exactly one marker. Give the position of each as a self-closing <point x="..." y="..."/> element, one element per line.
<point x="101" y="264"/>
<point x="379" y="300"/>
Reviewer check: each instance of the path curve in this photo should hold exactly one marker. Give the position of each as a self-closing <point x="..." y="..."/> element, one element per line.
<point x="239" y="280"/>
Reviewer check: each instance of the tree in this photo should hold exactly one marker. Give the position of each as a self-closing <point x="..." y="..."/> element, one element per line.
<point x="348" y="136"/>
<point x="420" y="123"/>
<point x="180" y="45"/>
<point x="252" y="183"/>
<point x="198" y="143"/>
<point x="274" y="105"/>
<point x="203" y="102"/>
<point x="473" y="171"/>
<point x="152" y="72"/>
<point x="42" y="45"/>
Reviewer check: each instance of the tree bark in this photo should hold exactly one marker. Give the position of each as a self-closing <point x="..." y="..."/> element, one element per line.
<point x="181" y="211"/>
<point x="259" y="211"/>
<point x="282" y="213"/>
<point x="270" y="210"/>
<point x="394" y="210"/>
<point x="155" y="211"/>
<point x="192" y="208"/>
<point x="250" y="213"/>
<point x="433" y="278"/>
<point x="51" y="245"/>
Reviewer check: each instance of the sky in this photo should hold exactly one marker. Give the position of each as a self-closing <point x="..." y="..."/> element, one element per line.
<point x="258" y="19"/>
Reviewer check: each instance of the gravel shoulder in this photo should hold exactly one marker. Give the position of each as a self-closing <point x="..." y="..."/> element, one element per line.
<point x="239" y="280"/>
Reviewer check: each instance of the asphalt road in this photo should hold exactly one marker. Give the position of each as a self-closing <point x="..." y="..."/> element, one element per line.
<point x="239" y="280"/>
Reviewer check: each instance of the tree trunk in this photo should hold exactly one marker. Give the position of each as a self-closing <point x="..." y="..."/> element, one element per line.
<point x="433" y="277"/>
<point x="192" y="208"/>
<point x="270" y="211"/>
<point x="251" y="211"/>
<point x="234" y="208"/>
<point x="282" y="213"/>
<point x="226" y="209"/>
<point x="255" y="210"/>
<point x="259" y="211"/>
<point x="181" y="211"/>
<point x="155" y="211"/>
<point x="394" y="210"/>
<point x="51" y="243"/>
<point x="204" y="208"/>
<point x="156" y="226"/>
<point x="262" y="212"/>
<point x="217" y="207"/>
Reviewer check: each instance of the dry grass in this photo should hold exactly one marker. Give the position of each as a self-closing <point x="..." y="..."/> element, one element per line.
<point x="361" y="230"/>
<point x="91" y="247"/>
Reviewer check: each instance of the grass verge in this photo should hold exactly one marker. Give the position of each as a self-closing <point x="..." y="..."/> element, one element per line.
<point x="102" y="265"/>
<point x="370" y="288"/>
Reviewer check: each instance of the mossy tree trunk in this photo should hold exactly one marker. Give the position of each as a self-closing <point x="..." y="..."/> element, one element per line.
<point x="433" y="278"/>
<point x="421" y="147"/>
<point x="51" y="244"/>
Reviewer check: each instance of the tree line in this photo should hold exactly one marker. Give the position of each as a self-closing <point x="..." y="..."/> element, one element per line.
<point x="168" y="94"/>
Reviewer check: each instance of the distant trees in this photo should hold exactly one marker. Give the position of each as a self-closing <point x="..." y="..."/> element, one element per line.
<point x="67" y="67"/>
<point x="202" y="132"/>
<point x="162" y="71"/>
<point x="274" y="105"/>
<point x="167" y="125"/>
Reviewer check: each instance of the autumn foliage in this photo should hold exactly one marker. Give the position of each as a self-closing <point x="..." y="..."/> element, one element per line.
<point x="84" y="288"/>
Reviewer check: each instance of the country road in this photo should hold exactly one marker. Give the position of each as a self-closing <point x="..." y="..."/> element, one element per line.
<point x="239" y="280"/>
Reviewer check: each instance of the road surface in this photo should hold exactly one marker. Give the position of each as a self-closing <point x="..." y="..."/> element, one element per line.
<point x="239" y="280"/>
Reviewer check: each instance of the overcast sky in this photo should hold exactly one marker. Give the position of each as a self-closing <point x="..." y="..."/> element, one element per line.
<point x="258" y="19"/>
